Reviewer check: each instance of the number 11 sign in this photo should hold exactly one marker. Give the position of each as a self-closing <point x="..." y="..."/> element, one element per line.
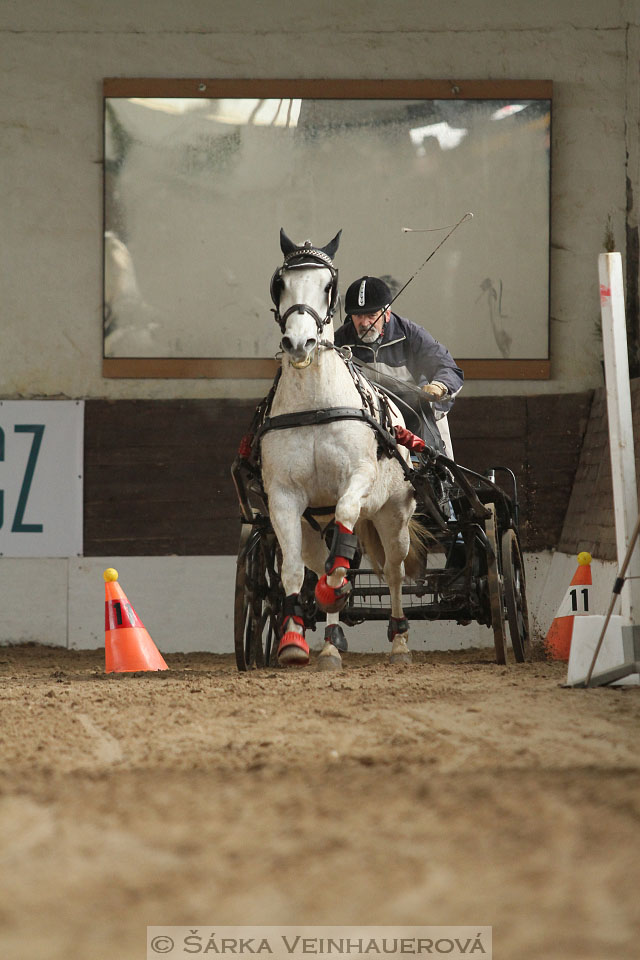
<point x="41" y="465"/>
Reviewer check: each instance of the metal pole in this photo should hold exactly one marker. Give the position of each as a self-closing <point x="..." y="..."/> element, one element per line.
<point x="617" y="592"/>
<point x="623" y="467"/>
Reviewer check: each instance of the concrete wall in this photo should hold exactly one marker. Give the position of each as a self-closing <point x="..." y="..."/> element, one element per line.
<point x="159" y="505"/>
<point x="52" y="60"/>
<point x="186" y="603"/>
<point x="53" y="57"/>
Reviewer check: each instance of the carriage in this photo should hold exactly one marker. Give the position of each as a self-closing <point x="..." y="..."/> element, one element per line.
<point x="477" y="573"/>
<point x="472" y="567"/>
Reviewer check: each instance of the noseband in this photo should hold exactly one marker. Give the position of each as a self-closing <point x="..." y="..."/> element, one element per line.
<point x="299" y="259"/>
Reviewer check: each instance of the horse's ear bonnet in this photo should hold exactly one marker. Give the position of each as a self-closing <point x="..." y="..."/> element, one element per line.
<point x="307" y="255"/>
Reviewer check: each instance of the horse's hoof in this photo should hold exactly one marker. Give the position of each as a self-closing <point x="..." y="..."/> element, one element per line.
<point x="329" y="658"/>
<point x="293" y="650"/>
<point x="400" y="652"/>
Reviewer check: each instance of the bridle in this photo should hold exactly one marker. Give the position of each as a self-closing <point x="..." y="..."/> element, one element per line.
<point x="299" y="259"/>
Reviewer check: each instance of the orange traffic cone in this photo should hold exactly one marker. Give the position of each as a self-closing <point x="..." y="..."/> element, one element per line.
<point x="576" y="603"/>
<point x="127" y="645"/>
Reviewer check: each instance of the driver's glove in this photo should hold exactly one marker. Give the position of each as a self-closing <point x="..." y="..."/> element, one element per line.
<point x="435" y="389"/>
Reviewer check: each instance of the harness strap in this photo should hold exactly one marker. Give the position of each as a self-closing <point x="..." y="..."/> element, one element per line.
<point x="310" y="516"/>
<point x="303" y="308"/>
<point x="367" y="396"/>
<point x="248" y="442"/>
<point x="308" y="418"/>
<point x="370" y="391"/>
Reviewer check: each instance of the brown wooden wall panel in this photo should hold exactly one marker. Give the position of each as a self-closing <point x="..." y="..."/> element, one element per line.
<point x="157" y="476"/>
<point x="157" y="472"/>
<point x="589" y="522"/>
<point x="539" y="438"/>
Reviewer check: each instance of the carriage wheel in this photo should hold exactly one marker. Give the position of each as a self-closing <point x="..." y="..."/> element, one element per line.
<point x="515" y="596"/>
<point x="258" y="599"/>
<point x="496" y="596"/>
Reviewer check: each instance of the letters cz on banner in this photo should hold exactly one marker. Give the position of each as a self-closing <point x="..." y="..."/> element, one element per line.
<point x="41" y="466"/>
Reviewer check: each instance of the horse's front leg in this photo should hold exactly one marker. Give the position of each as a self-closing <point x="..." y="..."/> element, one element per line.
<point x="285" y="510"/>
<point x="314" y="554"/>
<point x="332" y="589"/>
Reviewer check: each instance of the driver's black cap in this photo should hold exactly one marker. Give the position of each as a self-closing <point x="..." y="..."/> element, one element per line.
<point x="366" y="295"/>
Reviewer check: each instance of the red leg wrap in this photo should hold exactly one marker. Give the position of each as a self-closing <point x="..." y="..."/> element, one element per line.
<point x="332" y="599"/>
<point x="339" y="562"/>
<point x="293" y="648"/>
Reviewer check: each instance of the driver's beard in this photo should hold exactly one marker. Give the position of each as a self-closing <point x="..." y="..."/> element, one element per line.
<point x="370" y="336"/>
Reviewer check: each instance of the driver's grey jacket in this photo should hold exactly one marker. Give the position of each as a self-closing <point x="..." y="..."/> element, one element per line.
<point x="406" y="351"/>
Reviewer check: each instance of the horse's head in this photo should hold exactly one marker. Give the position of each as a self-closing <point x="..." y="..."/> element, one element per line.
<point x="305" y="293"/>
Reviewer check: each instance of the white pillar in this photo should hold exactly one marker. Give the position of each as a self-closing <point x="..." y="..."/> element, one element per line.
<point x="623" y="467"/>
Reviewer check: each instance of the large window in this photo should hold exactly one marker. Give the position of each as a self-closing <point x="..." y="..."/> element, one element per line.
<point x="201" y="175"/>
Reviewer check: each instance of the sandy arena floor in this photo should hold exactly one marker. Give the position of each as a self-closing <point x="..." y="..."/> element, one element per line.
<point x="453" y="791"/>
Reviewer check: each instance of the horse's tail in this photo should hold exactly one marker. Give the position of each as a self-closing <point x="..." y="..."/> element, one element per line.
<point x="419" y="540"/>
<point x="416" y="559"/>
<point x="371" y="544"/>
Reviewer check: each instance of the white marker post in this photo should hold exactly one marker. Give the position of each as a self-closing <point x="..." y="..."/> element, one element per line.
<point x="623" y="467"/>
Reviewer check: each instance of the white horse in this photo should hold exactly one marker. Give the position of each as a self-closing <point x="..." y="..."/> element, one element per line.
<point x="332" y="462"/>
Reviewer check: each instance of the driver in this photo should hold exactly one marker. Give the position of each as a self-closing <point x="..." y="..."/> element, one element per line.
<point x="390" y="345"/>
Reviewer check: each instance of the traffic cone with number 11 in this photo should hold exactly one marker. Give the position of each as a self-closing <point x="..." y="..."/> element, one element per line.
<point x="576" y="603"/>
<point x="127" y="645"/>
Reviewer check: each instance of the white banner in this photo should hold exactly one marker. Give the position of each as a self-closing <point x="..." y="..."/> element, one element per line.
<point x="41" y="466"/>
